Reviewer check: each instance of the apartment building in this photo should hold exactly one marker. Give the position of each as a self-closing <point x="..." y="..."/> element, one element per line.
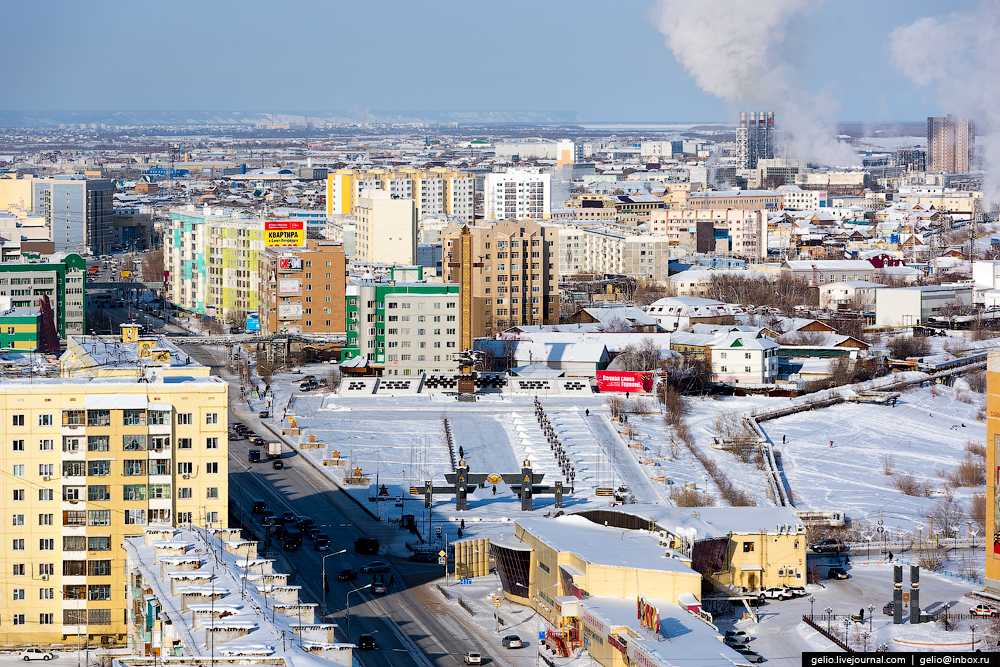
<point x="386" y="229"/>
<point x="403" y="328"/>
<point x="211" y="258"/>
<point x="768" y="200"/>
<point x="78" y="210"/>
<point x="303" y="290"/>
<point x="606" y="250"/>
<point x="508" y="272"/>
<point x="89" y="462"/>
<point x="736" y="231"/>
<point x="754" y="138"/>
<point x="60" y="277"/>
<point x="434" y="191"/>
<point x="950" y="144"/>
<point x="517" y="195"/>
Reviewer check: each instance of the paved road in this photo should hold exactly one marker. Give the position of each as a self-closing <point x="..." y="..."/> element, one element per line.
<point x="413" y="624"/>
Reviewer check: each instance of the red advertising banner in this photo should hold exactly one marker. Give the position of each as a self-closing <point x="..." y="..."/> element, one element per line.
<point x="625" y="381"/>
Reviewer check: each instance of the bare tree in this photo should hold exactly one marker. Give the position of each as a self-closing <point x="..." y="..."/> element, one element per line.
<point x="642" y="357"/>
<point x="152" y="266"/>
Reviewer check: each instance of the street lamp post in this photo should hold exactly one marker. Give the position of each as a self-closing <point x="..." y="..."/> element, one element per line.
<point x="847" y="628"/>
<point x="871" y="614"/>
<point x="865" y="636"/>
<point x="812" y="602"/>
<point x="973" y="628"/>
<point x="347" y="606"/>
<point x="323" y="574"/>
<point x="829" y="620"/>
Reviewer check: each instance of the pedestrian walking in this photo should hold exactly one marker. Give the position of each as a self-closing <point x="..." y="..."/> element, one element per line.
<point x="587" y="412"/>
<point x="831" y="443"/>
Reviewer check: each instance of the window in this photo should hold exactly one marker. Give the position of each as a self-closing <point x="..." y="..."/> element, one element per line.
<point x="183" y="443"/>
<point x="17" y="420"/>
<point x="134" y="443"/>
<point x="19" y="619"/>
<point x="98" y="443"/>
<point x="17" y="445"/>
<point x="75" y="518"/>
<point x="98" y="568"/>
<point x="18" y="494"/>
<point x="74" y="543"/>
<point x="184" y="492"/>
<point x="99" y="492"/>
<point x="211" y="418"/>
<point x="74" y="616"/>
<point x="98" y="544"/>
<point x="18" y="470"/>
<point x="98" y="517"/>
<point x="17" y="520"/>
<point x="45" y="519"/>
<point x="158" y="443"/>
<point x="46" y="594"/>
<point x="184" y="418"/>
<point x="46" y="544"/>
<point x="184" y="517"/>
<point x="46" y="569"/>
<point x="158" y="417"/>
<point x="747" y="547"/>
<point x="98" y="417"/>
<point x="211" y="443"/>
<point x="212" y="492"/>
<point x="135" y="467"/>
<point x="46" y="445"/>
<point x="99" y="592"/>
<point x="46" y="469"/>
<point x="98" y="617"/>
<point x="133" y="417"/>
<point x="135" y="491"/>
<point x="74" y="468"/>
<point x="135" y="517"/>
<point x="45" y="420"/>
<point x="17" y="544"/>
<point x="18" y="593"/>
<point x="185" y="467"/>
<point x="45" y="494"/>
<point x="99" y="468"/>
<point x="46" y="618"/>
<point x="18" y="570"/>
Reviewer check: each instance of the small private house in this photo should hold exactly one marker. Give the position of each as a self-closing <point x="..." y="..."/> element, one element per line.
<point x="738" y="358"/>
<point x="848" y="293"/>
<point x="679" y="313"/>
<point x="818" y="272"/>
<point x="616" y="318"/>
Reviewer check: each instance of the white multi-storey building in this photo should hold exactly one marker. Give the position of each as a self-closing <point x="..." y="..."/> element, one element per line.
<point x="606" y="250"/>
<point x="517" y="195"/>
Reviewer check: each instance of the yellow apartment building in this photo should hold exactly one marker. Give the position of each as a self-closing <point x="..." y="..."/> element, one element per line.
<point x="85" y="463"/>
<point x="435" y="191"/>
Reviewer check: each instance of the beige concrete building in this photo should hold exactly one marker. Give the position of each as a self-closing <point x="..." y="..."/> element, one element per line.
<point x="434" y="191"/>
<point x="386" y="229"/>
<point x="508" y="274"/>
<point x="302" y="289"/>
<point x="89" y="462"/>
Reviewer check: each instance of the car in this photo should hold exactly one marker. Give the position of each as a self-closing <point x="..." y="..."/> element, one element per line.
<point x="257" y="441"/>
<point x="259" y="507"/>
<point x="473" y="658"/>
<point x="36" y="654"/>
<point x="268" y="519"/>
<point x="253" y="456"/>
<point x="838" y="573"/>
<point x="367" y="643"/>
<point x="308" y="387"/>
<point x="797" y="591"/>
<point x="375" y="567"/>
<point x="305" y="523"/>
<point x="347" y="575"/>
<point x="889" y="608"/>
<point x="735" y="642"/>
<point x="379" y="588"/>
<point x="289" y="517"/>
<point x="291" y="542"/>
<point x="322" y="545"/>
<point x="776" y="593"/>
<point x="750" y="655"/>
<point x="828" y="546"/>
<point x="278" y="464"/>
<point x="512" y="641"/>
<point x="264" y="414"/>
<point x="314" y="533"/>
<point x="295" y="371"/>
<point x="984" y="611"/>
<point x="736" y="635"/>
<point x="233" y="436"/>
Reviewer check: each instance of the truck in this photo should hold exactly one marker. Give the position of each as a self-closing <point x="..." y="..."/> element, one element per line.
<point x="273" y="449"/>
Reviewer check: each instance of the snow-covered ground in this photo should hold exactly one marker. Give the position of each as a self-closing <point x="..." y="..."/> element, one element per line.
<point x="925" y="436"/>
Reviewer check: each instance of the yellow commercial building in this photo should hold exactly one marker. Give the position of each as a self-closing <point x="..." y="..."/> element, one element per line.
<point x="86" y="463"/>
<point x="993" y="472"/>
<point x="435" y="191"/>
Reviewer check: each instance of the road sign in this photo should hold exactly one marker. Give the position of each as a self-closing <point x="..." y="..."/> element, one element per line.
<point x="465" y="582"/>
<point x="442" y="561"/>
<point x="442" y="554"/>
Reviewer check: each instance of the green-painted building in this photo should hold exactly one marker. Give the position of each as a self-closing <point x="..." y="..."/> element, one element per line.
<point x="403" y="328"/>
<point x="19" y="329"/>
<point x="61" y="277"/>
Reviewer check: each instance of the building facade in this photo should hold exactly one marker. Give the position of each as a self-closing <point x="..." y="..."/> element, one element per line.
<point x="950" y="144"/>
<point x="606" y="250"/>
<point x="92" y="461"/>
<point x="403" y="328"/>
<point x="62" y="278"/>
<point x="386" y="230"/>
<point x="517" y="195"/>
<point x="79" y="212"/>
<point x="754" y="138"/>
<point x="508" y="272"/>
<point x="434" y="191"/>
<point x="303" y="291"/>
<point x="992" y="541"/>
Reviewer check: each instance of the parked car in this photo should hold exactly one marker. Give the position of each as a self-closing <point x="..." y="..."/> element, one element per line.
<point x="379" y="588"/>
<point x="736" y="636"/>
<point x="314" y="533"/>
<point x="776" y="593"/>
<point x="253" y="456"/>
<point x="291" y="542"/>
<point x="512" y="641"/>
<point x="36" y="654"/>
<point x="278" y="464"/>
<point x="984" y="611"/>
<point x="375" y="567"/>
<point x="264" y="414"/>
<point x="889" y="609"/>
<point x="289" y="517"/>
<point x="367" y="643"/>
<point x="322" y="544"/>
<point x="838" y="573"/>
<point x="828" y="546"/>
<point x="750" y="655"/>
<point x="473" y="658"/>
<point x="268" y="519"/>
<point x="735" y="642"/>
<point x="259" y="507"/>
<point x="797" y="591"/>
<point x="257" y="441"/>
<point x="347" y="575"/>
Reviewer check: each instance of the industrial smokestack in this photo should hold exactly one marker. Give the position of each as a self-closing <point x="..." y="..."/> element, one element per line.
<point x="897" y="594"/>
<point x="915" y="594"/>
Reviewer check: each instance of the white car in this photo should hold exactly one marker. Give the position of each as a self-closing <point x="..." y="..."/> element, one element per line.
<point x="37" y="654"/>
<point x="473" y="658"/>
<point x="776" y="594"/>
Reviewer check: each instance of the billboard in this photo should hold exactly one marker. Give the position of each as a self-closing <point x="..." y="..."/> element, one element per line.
<point x="289" y="287"/>
<point x="625" y="381"/>
<point x="284" y="234"/>
<point x="252" y="324"/>
<point x="289" y="263"/>
<point x="289" y="311"/>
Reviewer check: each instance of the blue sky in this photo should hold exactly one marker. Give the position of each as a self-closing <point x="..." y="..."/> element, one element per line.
<point x="602" y="59"/>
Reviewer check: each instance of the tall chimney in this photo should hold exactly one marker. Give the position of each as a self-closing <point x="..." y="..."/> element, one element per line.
<point x="897" y="594"/>
<point x="915" y="594"/>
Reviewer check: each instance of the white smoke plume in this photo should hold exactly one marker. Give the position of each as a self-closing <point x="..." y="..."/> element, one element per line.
<point x="956" y="56"/>
<point x="733" y="50"/>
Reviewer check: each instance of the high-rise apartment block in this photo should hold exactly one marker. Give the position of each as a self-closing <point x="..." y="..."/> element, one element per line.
<point x="517" y="195"/>
<point x="78" y="211"/>
<point x="386" y="230"/>
<point x="754" y="138"/>
<point x="89" y="462"/>
<point x="302" y="289"/>
<point x="508" y="272"/>
<point x="434" y="191"/>
<point x="212" y="262"/>
<point x="950" y="144"/>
